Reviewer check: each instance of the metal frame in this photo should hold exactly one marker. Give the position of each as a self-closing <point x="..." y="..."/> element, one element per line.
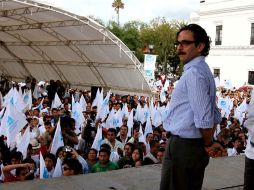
<point x="72" y="20"/>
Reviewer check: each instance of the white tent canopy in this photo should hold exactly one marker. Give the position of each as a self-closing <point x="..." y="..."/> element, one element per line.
<point x="45" y="42"/>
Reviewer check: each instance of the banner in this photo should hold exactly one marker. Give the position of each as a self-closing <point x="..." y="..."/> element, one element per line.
<point x="149" y="65"/>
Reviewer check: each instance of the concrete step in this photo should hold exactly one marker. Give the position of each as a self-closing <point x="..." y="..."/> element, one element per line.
<point x="221" y="173"/>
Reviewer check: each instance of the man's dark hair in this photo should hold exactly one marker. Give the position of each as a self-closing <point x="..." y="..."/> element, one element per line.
<point x="51" y="156"/>
<point x="153" y="143"/>
<point x="105" y="146"/>
<point x="105" y="150"/>
<point x="47" y="123"/>
<point x="74" y="165"/>
<point x="37" y="109"/>
<point x="92" y="149"/>
<point x="112" y="130"/>
<point x="124" y="126"/>
<point x="54" y="109"/>
<point x="16" y="155"/>
<point x="148" y="134"/>
<point x="200" y="36"/>
<point x="131" y="145"/>
<point x="161" y="149"/>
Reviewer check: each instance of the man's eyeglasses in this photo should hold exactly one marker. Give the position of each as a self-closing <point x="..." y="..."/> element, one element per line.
<point x="183" y="43"/>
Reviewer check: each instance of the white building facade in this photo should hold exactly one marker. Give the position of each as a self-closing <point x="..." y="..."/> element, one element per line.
<point x="230" y="24"/>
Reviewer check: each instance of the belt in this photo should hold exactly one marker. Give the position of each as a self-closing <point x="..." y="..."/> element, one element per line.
<point x="197" y="141"/>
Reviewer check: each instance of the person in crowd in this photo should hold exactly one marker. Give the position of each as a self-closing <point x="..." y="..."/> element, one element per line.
<point x="238" y="147"/>
<point x="137" y="157"/>
<point x="104" y="164"/>
<point x="69" y="136"/>
<point x="50" y="162"/>
<point x="23" y="171"/>
<point x="91" y="158"/>
<point x="71" y="166"/>
<point x="216" y="150"/>
<point x="224" y="138"/>
<point x="115" y="145"/>
<point x="126" y="161"/>
<point x="123" y="135"/>
<point x="160" y="154"/>
<point x="151" y="157"/>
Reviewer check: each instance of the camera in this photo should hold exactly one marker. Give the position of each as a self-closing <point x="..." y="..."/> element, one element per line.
<point x="67" y="149"/>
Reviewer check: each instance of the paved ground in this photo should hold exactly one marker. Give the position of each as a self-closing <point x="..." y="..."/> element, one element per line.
<point x="221" y="173"/>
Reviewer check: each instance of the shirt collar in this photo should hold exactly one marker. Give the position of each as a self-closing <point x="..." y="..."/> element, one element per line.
<point x="194" y="61"/>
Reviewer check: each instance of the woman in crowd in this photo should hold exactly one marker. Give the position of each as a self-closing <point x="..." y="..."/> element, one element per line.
<point x="137" y="156"/>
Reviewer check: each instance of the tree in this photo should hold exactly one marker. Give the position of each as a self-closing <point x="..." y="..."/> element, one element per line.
<point x="118" y="4"/>
<point x="160" y="33"/>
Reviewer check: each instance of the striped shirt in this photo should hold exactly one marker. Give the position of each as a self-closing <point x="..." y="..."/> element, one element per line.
<point x="193" y="102"/>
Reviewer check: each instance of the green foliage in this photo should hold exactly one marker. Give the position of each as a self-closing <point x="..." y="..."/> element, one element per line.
<point x="160" y="33"/>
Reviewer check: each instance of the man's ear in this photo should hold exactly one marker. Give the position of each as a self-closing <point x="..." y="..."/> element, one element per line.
<point x="200" y="47"/>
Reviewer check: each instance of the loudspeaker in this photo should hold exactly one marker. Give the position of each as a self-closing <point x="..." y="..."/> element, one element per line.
<point x="94" y="91"/>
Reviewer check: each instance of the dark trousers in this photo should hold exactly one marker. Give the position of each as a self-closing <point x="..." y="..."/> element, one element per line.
<point x="184" y="164"/>
<point x="249" y="174"/>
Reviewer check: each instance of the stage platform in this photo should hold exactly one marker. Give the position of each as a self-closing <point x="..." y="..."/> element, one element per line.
<point x="221" y="173"/>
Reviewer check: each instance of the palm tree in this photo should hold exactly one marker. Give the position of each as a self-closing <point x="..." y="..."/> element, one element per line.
<point x="118" y="4"/>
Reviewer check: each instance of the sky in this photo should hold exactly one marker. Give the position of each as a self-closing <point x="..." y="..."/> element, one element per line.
<point x="143" y="10"/>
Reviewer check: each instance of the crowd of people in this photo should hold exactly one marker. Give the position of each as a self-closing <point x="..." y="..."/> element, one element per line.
<point x="131" y="134"/>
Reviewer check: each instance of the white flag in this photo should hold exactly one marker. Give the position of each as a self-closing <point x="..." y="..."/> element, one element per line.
<point x="100" y="100"/>
<point x="130" y="123"/>
<point x="18" y="101"/>
<point x="78" y="115"/>
<point x="56" y="103"/>
<point x="95" y="101"/>
<point x="141" y="137"/>
<point x="7" y="98"/>
<point x="40" y="106"/>
<point x="58" y="172"/>
<point x="44" y="174"/>
<point x="162" y="96"/>
<point x="118" y="119"/>
<point x="57" y="140"/>
<point x="149" y="128"/>
<point x="98" y="139"/>
<point x="23" y="144"/>
<point x="104" y="109"/>
<point x="156" y="119"/>
<point x="125" y="110"/>
<point x="138" y="113"/>
<point x="27" y="99"/>
<point x="109" y="121"/>
<point x="73" y="103"/>
<point x="14" y="122"/>
<point x="83" y="103"/>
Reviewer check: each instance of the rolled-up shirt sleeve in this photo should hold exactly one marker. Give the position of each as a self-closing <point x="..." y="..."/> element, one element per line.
<point x="200" y="99"/>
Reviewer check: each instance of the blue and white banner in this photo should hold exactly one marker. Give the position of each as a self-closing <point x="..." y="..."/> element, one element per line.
<point x="149" y="65"/>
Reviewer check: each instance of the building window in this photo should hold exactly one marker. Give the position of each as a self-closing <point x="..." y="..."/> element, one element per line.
<point x="252" y="34"/>
<point x="251" y="77"/>
<point x="218" y="38"/>
<point x="216" y="73"/>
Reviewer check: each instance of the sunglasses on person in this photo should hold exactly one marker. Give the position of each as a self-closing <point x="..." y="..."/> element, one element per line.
<point x="66" y="168"/>
<point x="183" y="43"/>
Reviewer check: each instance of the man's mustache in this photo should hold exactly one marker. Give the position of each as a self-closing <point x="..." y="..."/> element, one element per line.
<point x="181" y="53"/>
